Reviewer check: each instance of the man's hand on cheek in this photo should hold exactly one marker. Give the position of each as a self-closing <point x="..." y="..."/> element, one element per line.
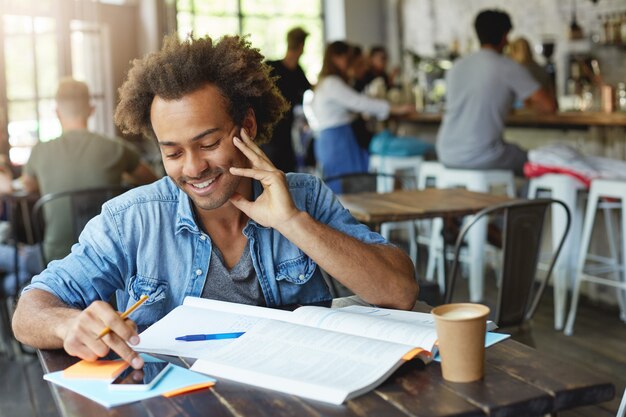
<point x="274" y="207"/>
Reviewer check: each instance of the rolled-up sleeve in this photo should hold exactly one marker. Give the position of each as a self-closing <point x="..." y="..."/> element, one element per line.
<point x="92" y="271"/>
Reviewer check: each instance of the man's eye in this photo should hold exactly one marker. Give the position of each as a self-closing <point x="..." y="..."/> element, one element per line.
<point x="173" y="155"/>
<point x="211" y="146"/>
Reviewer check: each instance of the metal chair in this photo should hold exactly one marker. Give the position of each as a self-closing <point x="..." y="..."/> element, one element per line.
<point x="83" y="206"/>
<point x="518" y="295"/>
<point x="621" y="412"/>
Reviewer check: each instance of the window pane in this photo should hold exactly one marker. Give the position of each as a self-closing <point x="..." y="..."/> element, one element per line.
<point x="273" y="44"/>
<point x="183" y="6"/>
<point x="17" y="24"/>
<point x="216" y="26"/>
<point x="47" y="74"/>
<point x="49" y="127"/>
<point x="19" y="155"/>
<point x="87" y="62"/>
<point x="31" y="7"/>
<point x="19" y="71"/>
<point x="215" y="7"/>
<point x="22" y="124"/>
<point x="99" y="121"/>
<point x="44" y="25"/>
<point x="185" y="24"/>
<point x="270" y="8"/>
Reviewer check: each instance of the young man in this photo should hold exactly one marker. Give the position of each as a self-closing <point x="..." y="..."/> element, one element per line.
<point x="224" y="224"/>
<point x="480" y="91"/>
<point x="292" y="83"/>
<point x="77" y="160"/>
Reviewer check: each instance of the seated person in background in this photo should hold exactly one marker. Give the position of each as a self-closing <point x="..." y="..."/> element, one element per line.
<point x="224" y="224"/>
<point x="336" y="105"/>
<point x="480" y="91"/>
<point x="519" y="50"/>
<point x="292" y="83"/>
<point x="78" y="159"/>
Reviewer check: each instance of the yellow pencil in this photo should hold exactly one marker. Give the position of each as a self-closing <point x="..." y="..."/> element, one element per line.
<point x="125" y="314"/>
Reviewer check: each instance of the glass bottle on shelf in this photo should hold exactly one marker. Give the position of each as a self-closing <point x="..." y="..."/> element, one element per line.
<point x="621" y="97"/>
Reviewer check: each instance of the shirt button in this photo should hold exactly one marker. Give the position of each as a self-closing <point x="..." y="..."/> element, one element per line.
<point x="198" y="271"/>
<point x="301" y="276"/>
<point x="202" y="237"/>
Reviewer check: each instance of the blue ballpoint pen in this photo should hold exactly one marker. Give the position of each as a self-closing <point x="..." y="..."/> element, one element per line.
<point x="216" y="336"/>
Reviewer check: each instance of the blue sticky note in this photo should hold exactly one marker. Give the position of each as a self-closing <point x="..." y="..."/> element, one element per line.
<point x="98" y="390"/>
<point x="490" y="339"/>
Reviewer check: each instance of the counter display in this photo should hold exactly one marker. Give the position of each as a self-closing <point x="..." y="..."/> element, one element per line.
<point x="567" y="120"/>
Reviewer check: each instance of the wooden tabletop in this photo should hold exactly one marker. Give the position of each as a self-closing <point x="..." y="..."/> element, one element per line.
<point x="375" y="208"/>
<point x="519" y="381"/>
<point x="560" y="119"/>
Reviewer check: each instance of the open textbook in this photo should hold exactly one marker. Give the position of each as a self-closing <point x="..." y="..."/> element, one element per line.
<point x="320" y="353"/>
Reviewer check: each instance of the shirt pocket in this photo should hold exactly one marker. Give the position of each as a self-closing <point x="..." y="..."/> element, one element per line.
<point x="296" y="270"/>
<point x="154" y="307"/>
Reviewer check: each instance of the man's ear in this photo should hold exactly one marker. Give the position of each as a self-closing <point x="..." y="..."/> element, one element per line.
<point x="249" y="123"/>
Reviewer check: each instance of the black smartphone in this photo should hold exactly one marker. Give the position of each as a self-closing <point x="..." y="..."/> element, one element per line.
<point x="140" y="379"/>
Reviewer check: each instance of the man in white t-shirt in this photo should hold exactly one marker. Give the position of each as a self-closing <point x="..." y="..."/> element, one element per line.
<point x="481" y="89"/>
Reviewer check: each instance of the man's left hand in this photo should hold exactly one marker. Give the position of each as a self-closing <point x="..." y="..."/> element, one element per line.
<point x="274" y="207"/>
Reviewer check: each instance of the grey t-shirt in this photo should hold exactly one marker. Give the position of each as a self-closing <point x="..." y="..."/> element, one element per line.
<point x="239" y="285"/>
<point x="480" y="91"/>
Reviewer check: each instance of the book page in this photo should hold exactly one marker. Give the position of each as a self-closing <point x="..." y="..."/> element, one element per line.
<point x="202" y="316"/>
<point x="238" y="309"/>
<point x="416" y="333"/>
<point x="305" y="361"/>
<point x="402" y="315"/>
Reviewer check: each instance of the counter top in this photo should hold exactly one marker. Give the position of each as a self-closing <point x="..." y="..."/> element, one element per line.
<point x="561" y="119"/>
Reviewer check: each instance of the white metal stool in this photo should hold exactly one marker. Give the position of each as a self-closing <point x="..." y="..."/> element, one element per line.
<point x="599" y="189"/>
<point x="568" y="190"/>
<point x="473" y="180"/>
<point x="390" y="164"/>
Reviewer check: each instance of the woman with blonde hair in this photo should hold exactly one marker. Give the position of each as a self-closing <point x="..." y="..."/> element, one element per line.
<point x="519" y="50"/>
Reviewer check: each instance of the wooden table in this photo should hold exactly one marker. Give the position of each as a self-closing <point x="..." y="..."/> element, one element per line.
<point x="376" y="208"/>
<point x="519" y="381"/>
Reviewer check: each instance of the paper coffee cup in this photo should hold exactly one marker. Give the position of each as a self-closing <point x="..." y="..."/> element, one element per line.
<point x="461" y="331"/>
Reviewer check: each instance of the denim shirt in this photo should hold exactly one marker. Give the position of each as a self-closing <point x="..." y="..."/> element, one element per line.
<point x="147" y="241"/>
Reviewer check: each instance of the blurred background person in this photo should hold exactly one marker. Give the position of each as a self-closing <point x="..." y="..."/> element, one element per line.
<point x="377" y="67"/>
<point x="358" y="68"/>
<point x="336" y="105"/>
<point x="471" y="133"/>
<point x="78" y="159"/>
<point x="292" y="83"/>
<point x="520" y="51"/>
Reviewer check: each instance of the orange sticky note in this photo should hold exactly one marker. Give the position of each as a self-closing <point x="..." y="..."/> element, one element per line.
<point x="423" y="354"/>
<point x="190" y="388"/>
<point x="104" y="369"/>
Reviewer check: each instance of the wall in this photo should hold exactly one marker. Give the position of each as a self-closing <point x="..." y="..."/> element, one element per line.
<point x="121" y="21"/>
<point x="430" y="22"/>
<point x="362" y="22"/>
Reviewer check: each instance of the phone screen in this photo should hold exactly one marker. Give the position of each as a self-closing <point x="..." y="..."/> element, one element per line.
<point x="146" y="376"/>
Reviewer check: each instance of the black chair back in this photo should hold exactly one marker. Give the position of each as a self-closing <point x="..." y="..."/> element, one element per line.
<point x="84" y="205"/>
<point x="518" y="294"/>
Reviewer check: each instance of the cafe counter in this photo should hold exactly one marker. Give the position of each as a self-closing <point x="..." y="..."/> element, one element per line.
<point x="562" y="120"/>
<point x="593" y="133"/>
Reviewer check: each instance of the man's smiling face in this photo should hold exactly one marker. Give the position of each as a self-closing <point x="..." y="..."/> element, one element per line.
<point x="195" y="135"/>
